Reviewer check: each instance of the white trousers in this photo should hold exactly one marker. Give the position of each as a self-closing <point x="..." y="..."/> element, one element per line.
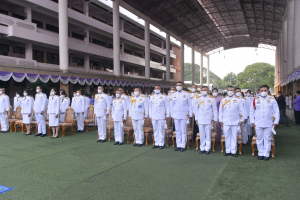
<point x="119" y="131"/>
<point x="101" y="122"/>
<point x="205" y="137"/>
<point x="62" y="117"/>
<point x="180" y="126"/>
<point x="290" y="105"/>
<point x="249" y="128"/>
<point x="230" y="133"/>
<point x="80" y="121"/>
<point x="159" y="131"/>
<point x="40" y="119"/>
<point x="138" y="127"/>
<point x="263" y="141"/>
<point x="245" y="132"/>
<point x="4" y="122"/>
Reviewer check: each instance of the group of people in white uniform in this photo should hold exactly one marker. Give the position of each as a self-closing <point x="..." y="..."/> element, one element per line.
<point x="232" y="112"/>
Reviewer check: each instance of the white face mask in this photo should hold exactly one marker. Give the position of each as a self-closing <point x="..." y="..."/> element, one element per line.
<point x="204" y="93"/>
<point x="0" y="92"/>
<point x="62" y="96"/>
<point x="193" y="90"/>
<point x="263" y="94"/>
<point x="230" y="93"/>
<point x="117" y="95"/>
<point x="77" y="94"/>
<point x="18" y="95"/>
<point x="157" y="91"/>
<point x="25" y="94"/>
<point x="52" y="93"/>
<point x="38" y="90"/>
<point x="238" y="94"/>
<point x="136" y="94"/>
<point x="178" y="88"/>
<point x="99" y="91"/>
<point x="215" y="94"/>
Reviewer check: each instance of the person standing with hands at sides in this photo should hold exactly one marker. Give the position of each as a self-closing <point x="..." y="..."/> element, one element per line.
<point x="297" y="108"/>
<point x="53" y="111"/>
<point x="27" y="107"/>
<point x="290" y="101"/>
<point x="127" y="98"/>
<point x="138" y="112"/>
<point x="78" y="104"/>
<point x="4" y="109"/>
<point x="181" y="110"/>
<point x="245" y="115"/>
<point x="261" y="119"/>
<point x="194" y="97"/>
<point x="206" y="110"/>
<point x="64" y="104"/>
<point x="101" y="110"/>
<point x="39" y="111"/>
<point x="229" y="116"/>
<point x="217" y="125"/>
<point x="158" y="113"/>
<point x="17" y="101"/>
<point x="282" y="109"/>
<point x="287" y="101"/>
<point x="87" y="104"/>
<point x="119" y="115"/>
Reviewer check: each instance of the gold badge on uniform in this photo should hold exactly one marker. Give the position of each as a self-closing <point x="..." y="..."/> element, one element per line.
<point x="184" y="96"/>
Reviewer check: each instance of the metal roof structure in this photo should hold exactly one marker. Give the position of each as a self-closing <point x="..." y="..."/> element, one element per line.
<point x="210" y="24"/>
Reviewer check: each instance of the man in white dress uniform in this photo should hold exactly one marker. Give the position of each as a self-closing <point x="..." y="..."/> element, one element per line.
<point x="39" y="108"/>
<point x="4" y="109"/>
<point x="78" y="104"/>
<point x="119" y="115"/>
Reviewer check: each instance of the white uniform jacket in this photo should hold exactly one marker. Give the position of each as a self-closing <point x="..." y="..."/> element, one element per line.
<point x="119" y="109"/>
<point x="17" y="102"/>
<point x="138" y="107"/>
<point x="101" y="105"/>
<point x="261" y="112"/>
<point x="127" y="100"/>
<point x="53" y="105"/>
<point x="27" y="105"/>
<point x="78" y="104"/>
<point x="206" y="110"/>
<point x="230" y="110"/>
<point x="181" y="104"/>
<point x="4" y="103"/>
<point x="40" y="102"/>
<point x="159" y="106"/>
<point x="194" y="97"/>
<point x="64" y="104"/>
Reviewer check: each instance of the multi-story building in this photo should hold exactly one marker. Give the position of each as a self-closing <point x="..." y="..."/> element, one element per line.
<point x="29" y="43"/>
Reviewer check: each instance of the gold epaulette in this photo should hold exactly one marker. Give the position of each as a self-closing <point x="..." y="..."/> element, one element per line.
<point x="116" y="99"/>
<point x="103" y="93"/>
<point x="121" y="98"/>
<point x="124" y="94"/>
<point x="211" y="96"/>
<point x="143" y="96"/>
<point x="164" y="94"/>
<point x="243" y="98"/>
<point x="271" y="97"/>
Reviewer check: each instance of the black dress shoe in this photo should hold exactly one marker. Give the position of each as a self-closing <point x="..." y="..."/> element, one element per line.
<point x="227" y="154"/>
<point x="120" y="143"/>
<point x="81" y="131"/>
<point x="102" y="141"/>
<point x="52" y="137"/>
<point x="182" y="149"/>
<point x="27" y="134"/>
<point x="266" y="158"/>
<point x="57" y="136"/>
<point x="207" y="152"/>
<point x="3" y="131"/>
<point x="39" y="134"/>
<point x="177" y="149"/>
<point x="155" y="147"/>
<point x="139" y="145"/>
<point x="78" y="131"/>
<point x="201" y="152"/>
<point x="116" y="143"/>
<point x="135" y="144"/>
<point x="260" y="158"/>
<point x="44" y="135"/>
<point x="234" y="155"/>
<point x="162" y="147"/>
<point x="99" y="140"/>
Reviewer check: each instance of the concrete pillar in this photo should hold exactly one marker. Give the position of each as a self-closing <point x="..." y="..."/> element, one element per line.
<point x="147" y="49"/>
<point x="63" y="36"/>
<point x="28" y="51"/>
<point x="86" y="8"/>
<point x="182" y="61"/>
<point x="122" y="68"/>
<point x="193" y="65"/>
<point x="281" y="57"/>
<point x="28" y="14"/>
<point x="87" y="63"/>
<point x="87" y="38"/>
<point x="116" y="37"/>
<point x="297" y="34"/>
<point x="285" y="51"/>
<point x="201" y="69"/>
<point x="167" y="56"/>
<point x="208" y="72"/>
<point x="290" y="36"/>
<point x="66" y="87"/>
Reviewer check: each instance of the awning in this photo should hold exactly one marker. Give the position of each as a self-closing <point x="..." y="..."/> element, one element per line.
<point x="291" y="78"/>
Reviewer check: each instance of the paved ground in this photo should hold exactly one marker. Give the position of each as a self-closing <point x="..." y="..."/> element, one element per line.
<point x="76" y="167"/>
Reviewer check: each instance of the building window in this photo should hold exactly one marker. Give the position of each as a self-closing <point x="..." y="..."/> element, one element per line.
<point x="19" y="50"/>
<point x="77" y="10"/>
<point x="52" y="58"/>
<point x="55" y="1"/>
<point x="38" y="56"/>
<point x="99" y="42"/>
<point x="133" y="71"/>
<point x="128" y="51"/>
<point x="138" y="54"/>
<point x="50" y="27"/>
<point x="4" y="49"/>
<point x="156" y="74"/>
<point x="18" y="16"/>
<point x="39" y="24"/>
<point x="4" y="12"/>
<point x="77" y="36"/>
<point x="79" y="61"/>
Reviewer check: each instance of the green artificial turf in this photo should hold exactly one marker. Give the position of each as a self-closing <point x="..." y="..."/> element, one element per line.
<point x="77" y="167"/>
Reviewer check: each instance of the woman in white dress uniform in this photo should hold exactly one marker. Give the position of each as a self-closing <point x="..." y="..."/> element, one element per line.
<point x="64" y="104"/>
<point x="87" y="104"/>
<point x="27" y="107"/>
<point x="17" y="101"/>
<point x="53" y="111"/>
